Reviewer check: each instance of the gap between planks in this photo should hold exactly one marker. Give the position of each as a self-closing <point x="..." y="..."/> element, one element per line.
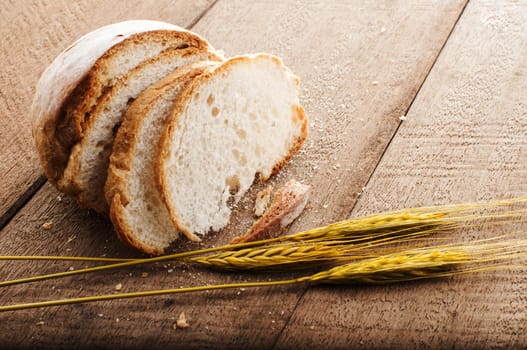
<point x="302" y="295"/>
<point x="394" y="135"/>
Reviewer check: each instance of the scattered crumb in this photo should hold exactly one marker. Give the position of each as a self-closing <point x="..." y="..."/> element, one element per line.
<point x="170" y="270"/>
<point x="262" y="201"/>
<point x="144" y="274"/>
<point x="375" y="82"/>
<point x="117" y="319"/>
<point x="325" y="206"/>
<point x="71" y="268"/>
<point x="118" y="286"/>
<point x="71" y="238"/>
<point x="40" y="323"/>
<point x="383" y="29"/>
<point x="100" y="315"/>
<point x="403" y="117"/>
<point x="288" y="203"/>
<point x="181" y="321"/>
<point x="47" y="225"/>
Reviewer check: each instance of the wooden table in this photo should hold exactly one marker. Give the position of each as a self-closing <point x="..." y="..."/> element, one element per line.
<point x="457" y="71"/>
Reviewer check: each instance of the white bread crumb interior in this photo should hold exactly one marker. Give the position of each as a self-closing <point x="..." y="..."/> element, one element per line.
<point x="241" y="119"/>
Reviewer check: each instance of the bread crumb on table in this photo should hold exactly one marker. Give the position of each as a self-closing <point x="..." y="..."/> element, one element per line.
<point x="262" y="201"/>
<point x="288" y="203"/>
<point x="181" y="321"/>
<point x="118" y="286"/>
<point x="47" y="225"/>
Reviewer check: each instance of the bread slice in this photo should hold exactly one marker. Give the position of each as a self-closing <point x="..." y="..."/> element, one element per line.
<point x="137" y="211"/>
<point x="240" y="119"/>
<point x="71" y="87"/>
<point x="88" y="162"/>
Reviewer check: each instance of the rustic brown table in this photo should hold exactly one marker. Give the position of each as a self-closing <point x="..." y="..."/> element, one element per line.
<point x="457" y="71"/>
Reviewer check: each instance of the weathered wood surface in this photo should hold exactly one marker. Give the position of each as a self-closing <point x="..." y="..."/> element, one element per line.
<point x="361" y="66"/>
<point x="464" y="140"/>
<point x="33" y="33"/>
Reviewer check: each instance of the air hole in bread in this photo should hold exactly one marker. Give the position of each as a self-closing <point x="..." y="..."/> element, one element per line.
<point x="116" y="128"/>
<point x="210" y="99"/>
<point x="236" y="154"/>
<point x="241" y="133"/>
<point x="243" y="160"/>
<point x="196" y="95"/>
<point x="233" y="182"/>
<point x="226" y="121"/>
<point x="252" y="116"/>
<point x="130" y="100"/>
<point x="215" y="111"/>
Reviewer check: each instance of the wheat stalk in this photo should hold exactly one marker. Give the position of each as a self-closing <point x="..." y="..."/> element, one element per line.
<point x="373" y="230"/>
<point x="398" y="267"/>
<point x="352" y="231"/>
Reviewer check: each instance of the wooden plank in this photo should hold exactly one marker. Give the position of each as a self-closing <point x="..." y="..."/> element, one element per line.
<point x="361" y="65"/>
<point x="463" y="140"/>
<point x="33" y="33"/>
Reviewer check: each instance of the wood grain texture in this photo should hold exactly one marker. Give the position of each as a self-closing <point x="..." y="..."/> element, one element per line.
<point x="361" y="65"/>
<point x="33" y="33"/>
<point x="463" y="140"/>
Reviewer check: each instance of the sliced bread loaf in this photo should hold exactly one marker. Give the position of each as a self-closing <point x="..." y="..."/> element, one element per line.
<point x="137" y="211"/>
<point x="237" y="120"/>
<point x="71" y="87"/>
<point x="88" y="162"/>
